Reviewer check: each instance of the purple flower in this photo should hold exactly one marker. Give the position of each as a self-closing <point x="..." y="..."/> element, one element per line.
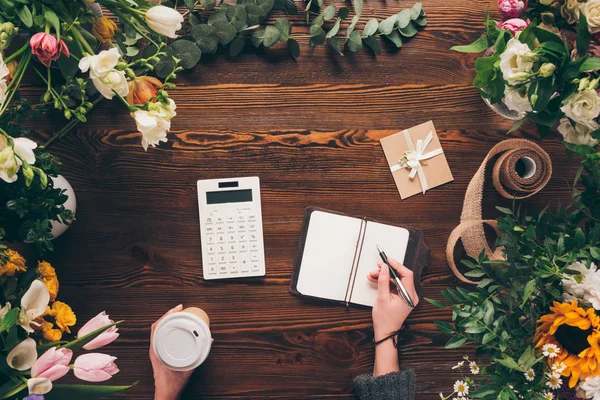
<point x="34" y="397"/>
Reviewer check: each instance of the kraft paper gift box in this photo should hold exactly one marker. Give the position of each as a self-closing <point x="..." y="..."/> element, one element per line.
<point x="416" y="159"/>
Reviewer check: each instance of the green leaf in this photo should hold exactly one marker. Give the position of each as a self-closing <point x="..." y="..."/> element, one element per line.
<point x="285" y="28"/>
<point x="387" y="25"/>
<point x="579" y="238"/>
<point x="544" y="35"/>
<point x="237" y="16"/>
<point x="590" y="64"/>
<point x="293" y="47"/>
<point x="254" y="14"/>
<point x="488" y="337"/>
<point x="373" y="44"/>
<point x="370" y="28"/>
<point x="403" y="19"/>
<point x="329" y="12"/>
<point x="271" y="36"/>
<point x="509" y="363"/>
<point x="206" y="38"/>
<point x="68" y="66"/>
<point x="335" y="45"/>
<point x="237" y="46"/>
<point x="87" y="392"/>
<point x="334" y="30"/>
<point x="343" y="12"/>
<point x="409" y="31"/>
<point x="9" y="320"/>
<point x="24" y="14"/>
<point x="190" y="4"/>
<point x="504" y="210"/>
<point x="266" y="5"/>
<point x="53" y="20"/>
<point x="78" y="343"/>
<point x="528" y="291"/>
<point x="415" y="12"/>
<point x="435" y="302"/>
<point x="475" y="329"/>
<point x="526" y="36"/>
<point x="358" y="7"/>
<point x="226" y="32"/>
<point x="583" y="35"/>
<point x="395" y="38"/>
<point x="354" y="42"/>
<point x="351" y="26"/>
<point x="187" y="52"/>
<point x="422" y="21"/>
<point x="444" y="327"/>
<point x="218" y="15"/>
<point x="317" y="35"/>
<point x="543" y="89"/>
<point x="595" y="252"/>
<point x="258" y="37"/>
<point x="455" y="342"/>
<point x="479" y="45"/>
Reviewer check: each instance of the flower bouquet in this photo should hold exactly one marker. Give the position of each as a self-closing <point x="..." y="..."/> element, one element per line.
<point x="535" y="315"/>
<point x="542" y="63"/>
<point x="33" y="352"/>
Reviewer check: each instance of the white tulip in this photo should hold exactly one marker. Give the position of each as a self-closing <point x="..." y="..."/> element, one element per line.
<point x="39" y="385"/>
<point x="154" y="123"/>
<point x="515" y="101"/>
<point x="578" y="134"/>
<point x="516" y="61"/>
<point x="583" y="107"/>
<point x="33" y="304"/>
<point x="109" y="81"/>
<point x="101" y="63"/>
<point x="23" y="356"/>
<point x="164" y="20"/>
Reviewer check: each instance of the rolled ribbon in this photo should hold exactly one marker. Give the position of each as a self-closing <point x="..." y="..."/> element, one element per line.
<point x="413" y="157"/>
<point x="537" y="172"/>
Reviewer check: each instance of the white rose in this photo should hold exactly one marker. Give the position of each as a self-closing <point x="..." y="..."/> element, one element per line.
<point x="591" y="10"/>
<point x="9" y="162"/>
<point x="516" y="61"/>
<point x="110" y="80"/>
<point x="101" y="63"/>
<point x="164" y="20"/>
<point x="515" y="101"/>
<point x="583" y="107"/>
<point x="570" y="11"/>
<point x="578" y="134"/>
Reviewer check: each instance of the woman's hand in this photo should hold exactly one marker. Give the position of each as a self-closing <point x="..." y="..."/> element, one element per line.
<point x="168" y="384"/>
<point x="389" y="313"/>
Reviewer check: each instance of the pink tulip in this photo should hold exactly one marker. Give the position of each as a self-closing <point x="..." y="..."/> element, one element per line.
<point x="95" y="367"/>
<point x="53" y="364"/>
<point x="514" y="25"/>
<point x="47" y="48"/>
<point x="511" y="8"/>
<point x="106" y="337"/>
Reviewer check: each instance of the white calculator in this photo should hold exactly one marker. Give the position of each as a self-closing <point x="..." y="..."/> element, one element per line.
<point x="231" y="230"/>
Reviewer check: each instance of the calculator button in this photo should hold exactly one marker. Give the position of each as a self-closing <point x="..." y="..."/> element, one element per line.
<point x="242" y="227"/>
<point x="209" y="220"/>
<point x="243" y="246"/>
<point x="210" y="249"/>
<point x="252" y="226"/>
<point x="212" y="269"/>
<point x="254" y="256"/>
<point x="222" y="248"/>
<point x="220" y="228"/>
<point x="254" y="266"/>
<point x="221" y="238"/>
<point x="251" y="217"/>
<point x="211" y="259"/>
<point x="231" y="238"/>
<point x="220" y="220"/>
<point x="241" y="218"/>
<point x="210" y="229"/>
<point x="210" y="239"/>
<point x="253" y="246"/>
<point x="223" y="269"/>
<point x="253" y="236"/>
<point x="230" y="219"/>
<point x="244" y="263"/>
<point x="222" y="259"/>
<point x="234" y="267"/>
<point x="230" y="227"/>
<point x="233" y="258"/>
<point x="242" y="237"/>
<point x="232" y="247"/>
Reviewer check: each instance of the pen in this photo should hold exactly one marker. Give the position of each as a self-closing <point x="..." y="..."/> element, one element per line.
<point x="394" y="276"/>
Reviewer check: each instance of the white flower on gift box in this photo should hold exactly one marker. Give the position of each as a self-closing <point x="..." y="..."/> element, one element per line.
<point x="584" y="286"/>
<point x="554" y="381"/>
<point x="154" y="123"/>
<point x="103" y="74"/>
<point x="589" y="388"/>
<point x="550" y="350"/>
<point x="583" y="107"/>
<point x="578" y="134"/>
<point x="591" y="10"/>
<point x="164" y="20"/>
<point x="461" y="388"/>
<point x="11" y="156"/>
<point x="33" y="304"/>
<point x="516" y="62"/>
<point x="530" y="374"/>
<point x="23" y="356"/>
<point x="514" y="100"/>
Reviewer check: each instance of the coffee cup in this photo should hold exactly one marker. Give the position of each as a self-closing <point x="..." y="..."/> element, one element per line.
<point x="182" y="340"/>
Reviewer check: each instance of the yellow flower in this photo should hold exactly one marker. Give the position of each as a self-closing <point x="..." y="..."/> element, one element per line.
<point x="51" y="335"/>
<point x="49" y="278"/>
<point x="104" y="29"/>
<point x="576" y="333"/>
<point x="14" y="264"/>
<point x="63" y="314"/>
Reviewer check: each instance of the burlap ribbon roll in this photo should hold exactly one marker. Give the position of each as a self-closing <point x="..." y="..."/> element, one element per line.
<point x="536" y="170"/>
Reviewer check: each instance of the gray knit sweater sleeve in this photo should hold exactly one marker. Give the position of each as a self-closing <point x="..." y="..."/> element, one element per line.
<point x="394" y="386"/>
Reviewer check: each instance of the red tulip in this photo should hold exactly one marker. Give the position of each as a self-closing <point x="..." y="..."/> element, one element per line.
<point x="47" y="48"/>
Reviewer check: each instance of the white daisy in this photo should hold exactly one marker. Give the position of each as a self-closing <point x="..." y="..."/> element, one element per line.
<point x="554" y="381"/>
<point x="474" y="368"/>
<point x="548" y="396"/>
<point x="559" y="367"/>
<point x="530" y="375"/>
<point x="461" y="388"/>
<point x="550" y="350"/>
<point x="459" y="365"/>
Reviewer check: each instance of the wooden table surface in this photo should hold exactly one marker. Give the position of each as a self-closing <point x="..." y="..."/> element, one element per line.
<point x="304" y="128"/>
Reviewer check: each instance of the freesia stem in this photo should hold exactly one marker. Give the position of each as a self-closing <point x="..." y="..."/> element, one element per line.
<point x="15" y="391"/>
<point x="14" y="84"/>
<point x="70" y="125"/>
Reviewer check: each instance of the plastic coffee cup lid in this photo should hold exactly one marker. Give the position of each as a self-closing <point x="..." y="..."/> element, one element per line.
<point x="182" y="341"/>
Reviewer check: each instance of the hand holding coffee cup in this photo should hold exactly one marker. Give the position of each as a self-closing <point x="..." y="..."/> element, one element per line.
<point x="180" y="341"/>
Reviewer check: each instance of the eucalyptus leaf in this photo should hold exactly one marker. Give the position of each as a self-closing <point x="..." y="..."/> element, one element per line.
<point x="370" y="28"/>
<point x="218" y="15"/>
<point x="421" y="21"/>
<point x="352" y="25"/>
<point x="329" y="12"/>
<point x="387" y="25"/>
<point x="271" y="36"/>
<point x="254" y="14"/>
<point x="343" y="12"/>
<point x="190" y="4"/>
<point x="358" y="7"/>
<point x="395" y="38"/>
<point x="293" y="47"/>
<point x="373" y="44"/>
<point x="187" y="52"/>
<point x="415" y="12"/>
<point x="354" y="42"/>
<point x="206" y="38"/>
<point x="285" y="28"/>
<point x="266" y="5"/>
<point x="409" y="31"/>
<point x="237" y="46"/>
<point x="334" y="43"/>
<point x="317" y="35"/>
<point x="257" y="37"/>
<point x="237" y="17"/>
<point x="132" y="51"/>
<point x="225" y="31"/>
<point x="334" y="30"/>
<point x="403" y="19"/>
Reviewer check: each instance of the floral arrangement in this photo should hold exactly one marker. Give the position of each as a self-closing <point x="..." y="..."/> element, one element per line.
<point x="32" y="325"/>
<point x="541" y="63"/>
<point x="535" y="315"/>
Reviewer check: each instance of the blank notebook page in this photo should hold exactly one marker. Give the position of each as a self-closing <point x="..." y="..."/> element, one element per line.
<point x="328" y="253"/>
<point x="393" y="241"/>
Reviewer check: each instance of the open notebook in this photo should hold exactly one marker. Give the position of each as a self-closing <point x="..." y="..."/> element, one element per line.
<point x="337" y="252"/>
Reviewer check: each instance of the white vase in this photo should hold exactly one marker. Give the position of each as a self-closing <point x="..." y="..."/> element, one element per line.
<point x="60" y="182"/>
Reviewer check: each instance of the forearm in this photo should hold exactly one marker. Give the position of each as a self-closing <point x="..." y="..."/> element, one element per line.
<point x="386" y="358"/>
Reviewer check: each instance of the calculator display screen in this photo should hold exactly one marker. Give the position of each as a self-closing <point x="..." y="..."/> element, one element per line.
<point x="229" y="196"/>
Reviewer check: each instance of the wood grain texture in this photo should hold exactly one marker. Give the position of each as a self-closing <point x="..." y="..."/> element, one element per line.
<point x="306" y="129"/>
